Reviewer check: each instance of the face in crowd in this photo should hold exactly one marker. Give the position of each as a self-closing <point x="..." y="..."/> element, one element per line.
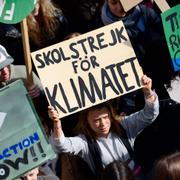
<point x="100" y="121"/>
<point x="116" y="8"/>
<point x="5" y="74"/>
<point x="31" y="175"/>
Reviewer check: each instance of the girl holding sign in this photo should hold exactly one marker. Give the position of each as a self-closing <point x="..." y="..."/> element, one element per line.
<point x="102" y="139"/>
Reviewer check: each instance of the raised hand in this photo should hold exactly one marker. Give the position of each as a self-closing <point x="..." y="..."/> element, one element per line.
<point x="53" y="114"/>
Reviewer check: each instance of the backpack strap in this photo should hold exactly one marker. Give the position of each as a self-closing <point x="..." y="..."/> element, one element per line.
<point x="124" y="138"/>
<point x="95" y="154"/>
<point x="95" y="151"/>
<point x="126" y="142"/>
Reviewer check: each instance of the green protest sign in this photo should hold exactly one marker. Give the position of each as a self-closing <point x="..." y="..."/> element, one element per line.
<point x="14" y="11"/>
<point x="23" y="143"/>
<point x="171" y="23"/>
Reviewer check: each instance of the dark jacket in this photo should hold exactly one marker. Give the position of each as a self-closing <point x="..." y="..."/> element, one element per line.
<point x="143" y="26"/>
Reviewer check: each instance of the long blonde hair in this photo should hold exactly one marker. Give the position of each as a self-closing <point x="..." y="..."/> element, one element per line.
<point x="83" y="127"/>
<point x="45" y="24"/>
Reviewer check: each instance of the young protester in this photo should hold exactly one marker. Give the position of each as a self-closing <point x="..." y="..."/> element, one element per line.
<point x="10" y="73"/>
<point x="142" y="24"/>
<point x="97" y="124"/>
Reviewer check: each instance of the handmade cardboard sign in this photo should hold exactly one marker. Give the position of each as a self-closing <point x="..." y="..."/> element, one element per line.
<point x="88" y="69"/>
<point x="129" y="4"/>
<point x="14" y="11"/>
<point x="23" y="142"/>
<point x="162" y="4"/>
<point x="171" y="24"/>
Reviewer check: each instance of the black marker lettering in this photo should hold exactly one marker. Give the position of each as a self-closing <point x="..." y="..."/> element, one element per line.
<point x="38" y="58"/>
<point x="52" y="99"/>
<point x="105" y="77"/>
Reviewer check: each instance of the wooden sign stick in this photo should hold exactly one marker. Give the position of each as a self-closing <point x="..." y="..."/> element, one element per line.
<point x="162" y="4"/>
<point x="27" y="55"/>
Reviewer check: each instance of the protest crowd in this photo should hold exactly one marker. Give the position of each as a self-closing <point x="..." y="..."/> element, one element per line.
<point x="134" y="136"/>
